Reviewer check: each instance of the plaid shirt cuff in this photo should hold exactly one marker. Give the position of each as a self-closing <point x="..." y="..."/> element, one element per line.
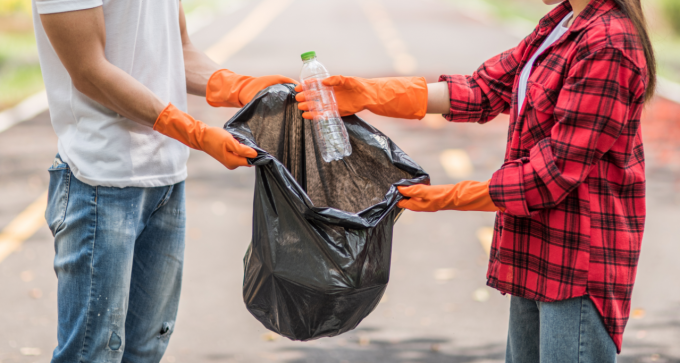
<point x="517" y="185"/>
<point x="507" y="188"/>
<point x="465" y="105"/>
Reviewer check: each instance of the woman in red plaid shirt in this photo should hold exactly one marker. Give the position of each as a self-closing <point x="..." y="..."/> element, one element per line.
<point x="570" y="197"/>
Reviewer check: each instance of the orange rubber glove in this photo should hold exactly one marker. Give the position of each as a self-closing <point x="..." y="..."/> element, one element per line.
<point x="228" y="89"/>
<point x="464" y="196"/>
<point x="404" y="97"/>
<point x="215" y="141"/>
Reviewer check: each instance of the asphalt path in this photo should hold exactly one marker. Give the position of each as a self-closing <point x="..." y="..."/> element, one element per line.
<point x="437" y="308"/>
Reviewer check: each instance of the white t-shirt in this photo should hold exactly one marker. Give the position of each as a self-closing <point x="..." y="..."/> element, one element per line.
<point x="102" y="147"/>
<point x="556" y="34"/>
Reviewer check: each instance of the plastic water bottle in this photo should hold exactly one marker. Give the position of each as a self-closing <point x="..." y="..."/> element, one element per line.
<point x="329" y="129"/>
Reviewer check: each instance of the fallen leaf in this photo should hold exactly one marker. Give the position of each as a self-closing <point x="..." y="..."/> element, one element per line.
<point x="481" y="295"/>
<point x="27" y="276"/>
<point x="270" y="337"/>
<point x="35" y="293"/>
<point x="638" y="313"/>
<point x="434" y="121"/>
<point x="30" y="351"/>
<point x="444" y="274"/>
<point x="456" y="163"/>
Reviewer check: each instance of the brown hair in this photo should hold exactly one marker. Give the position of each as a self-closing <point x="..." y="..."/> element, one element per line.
<point x="633" y="9"/>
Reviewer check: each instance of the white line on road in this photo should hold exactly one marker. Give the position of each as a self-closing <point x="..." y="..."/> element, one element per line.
<point x="403" y="62"/>
<point x="201" y="17"/>
<point x="668" y="90"/>
<point x="247" y="30"/>
<point x="23" y="227"/>
<point x="26" y="110"/>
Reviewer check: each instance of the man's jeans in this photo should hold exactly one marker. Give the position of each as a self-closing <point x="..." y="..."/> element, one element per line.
<point x="569" y="331"/>
<point x="119" y="256"/>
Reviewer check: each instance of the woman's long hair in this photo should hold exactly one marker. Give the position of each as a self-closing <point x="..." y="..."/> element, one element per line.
<point x="633" y="9"/>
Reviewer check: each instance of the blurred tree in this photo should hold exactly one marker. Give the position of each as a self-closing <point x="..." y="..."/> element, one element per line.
<point x="672" y="10"/>
<point x="8" y="7"/>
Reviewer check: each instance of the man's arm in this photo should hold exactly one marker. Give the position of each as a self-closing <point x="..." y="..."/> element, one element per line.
<point x="221" y="87"/>
<point x="79" y="39"/>
<point x="198" y="66"/>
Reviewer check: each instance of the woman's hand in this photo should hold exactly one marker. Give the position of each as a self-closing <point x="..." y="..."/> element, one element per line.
<point x="404" y="97"/>
<point x="464" y="196"/>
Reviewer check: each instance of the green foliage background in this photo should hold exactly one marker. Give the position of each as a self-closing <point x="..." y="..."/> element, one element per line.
<point x="672" y="10"/>
<point x="20" y="70"/>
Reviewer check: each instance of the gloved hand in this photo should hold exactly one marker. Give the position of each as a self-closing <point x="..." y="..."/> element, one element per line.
<point x="464" y="196"/>
<point x="215" y="141"/>
<point x="404" y="97"/>
<point x="228" y="89"/>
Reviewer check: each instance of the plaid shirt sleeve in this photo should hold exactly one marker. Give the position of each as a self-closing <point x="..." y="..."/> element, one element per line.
<point x="488" y="92"/>
<point x="590" y="113"/>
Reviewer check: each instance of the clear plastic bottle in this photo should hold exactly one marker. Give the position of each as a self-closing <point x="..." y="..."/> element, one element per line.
<point x="329" y="129"/>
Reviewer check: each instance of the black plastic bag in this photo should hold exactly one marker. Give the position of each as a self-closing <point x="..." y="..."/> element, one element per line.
<point x="319" y="260"/>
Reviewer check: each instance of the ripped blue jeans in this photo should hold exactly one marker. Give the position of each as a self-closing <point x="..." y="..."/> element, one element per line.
<point x="119" y="257"/>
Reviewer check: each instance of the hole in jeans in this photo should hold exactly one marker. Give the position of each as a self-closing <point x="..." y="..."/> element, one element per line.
<point x="166" y="329"/>
<point x="115" y="341"/>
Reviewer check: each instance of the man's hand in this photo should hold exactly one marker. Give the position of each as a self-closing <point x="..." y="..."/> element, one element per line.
<point x="79" y="39"/>
<point x="228" y="89"/>
<point x="214" y="141"/>
<point x="464" y="196"/>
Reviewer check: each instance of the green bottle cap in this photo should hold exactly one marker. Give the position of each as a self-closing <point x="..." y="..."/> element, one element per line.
<point x="307" y="56"/>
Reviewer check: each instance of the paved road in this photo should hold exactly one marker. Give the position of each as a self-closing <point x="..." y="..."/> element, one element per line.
<point x="437" y="308"/>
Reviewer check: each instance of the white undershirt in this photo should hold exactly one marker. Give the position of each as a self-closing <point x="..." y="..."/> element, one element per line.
<point x="556" y="34"/>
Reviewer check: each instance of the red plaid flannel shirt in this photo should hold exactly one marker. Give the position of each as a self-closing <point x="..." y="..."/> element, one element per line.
<point x="573" y="182"/>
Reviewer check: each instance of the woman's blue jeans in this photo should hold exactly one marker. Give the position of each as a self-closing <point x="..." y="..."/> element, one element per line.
<point x="569" y="331"/>
<point x="119" y="256"/>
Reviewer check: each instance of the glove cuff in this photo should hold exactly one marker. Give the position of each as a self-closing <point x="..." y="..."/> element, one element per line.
<point x="178" y="125"/>
<point x="223" y="89"/>
<point x="421" y="94"/>
<point x="403" y="97"/>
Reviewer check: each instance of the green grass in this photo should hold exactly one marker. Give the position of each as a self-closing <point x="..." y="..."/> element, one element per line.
<point x="666" y="43"/>
<point x="671" y="9"/>
<point x="20" y="74"/>
<point x="668" y="57"/>
<point x="531" y="11"/>
<point x="18" y="83"/>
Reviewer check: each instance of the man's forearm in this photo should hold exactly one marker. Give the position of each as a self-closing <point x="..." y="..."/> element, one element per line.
<point x="79" y="39"/>
<point x="120" y="92"/>
<point x="198" y="68"/>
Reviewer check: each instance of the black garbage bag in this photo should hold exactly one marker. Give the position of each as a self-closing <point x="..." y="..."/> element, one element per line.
<point x="319" y="260"/>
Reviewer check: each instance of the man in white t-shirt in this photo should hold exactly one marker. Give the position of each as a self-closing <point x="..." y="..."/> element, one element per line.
<point x="117" y="74"/>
